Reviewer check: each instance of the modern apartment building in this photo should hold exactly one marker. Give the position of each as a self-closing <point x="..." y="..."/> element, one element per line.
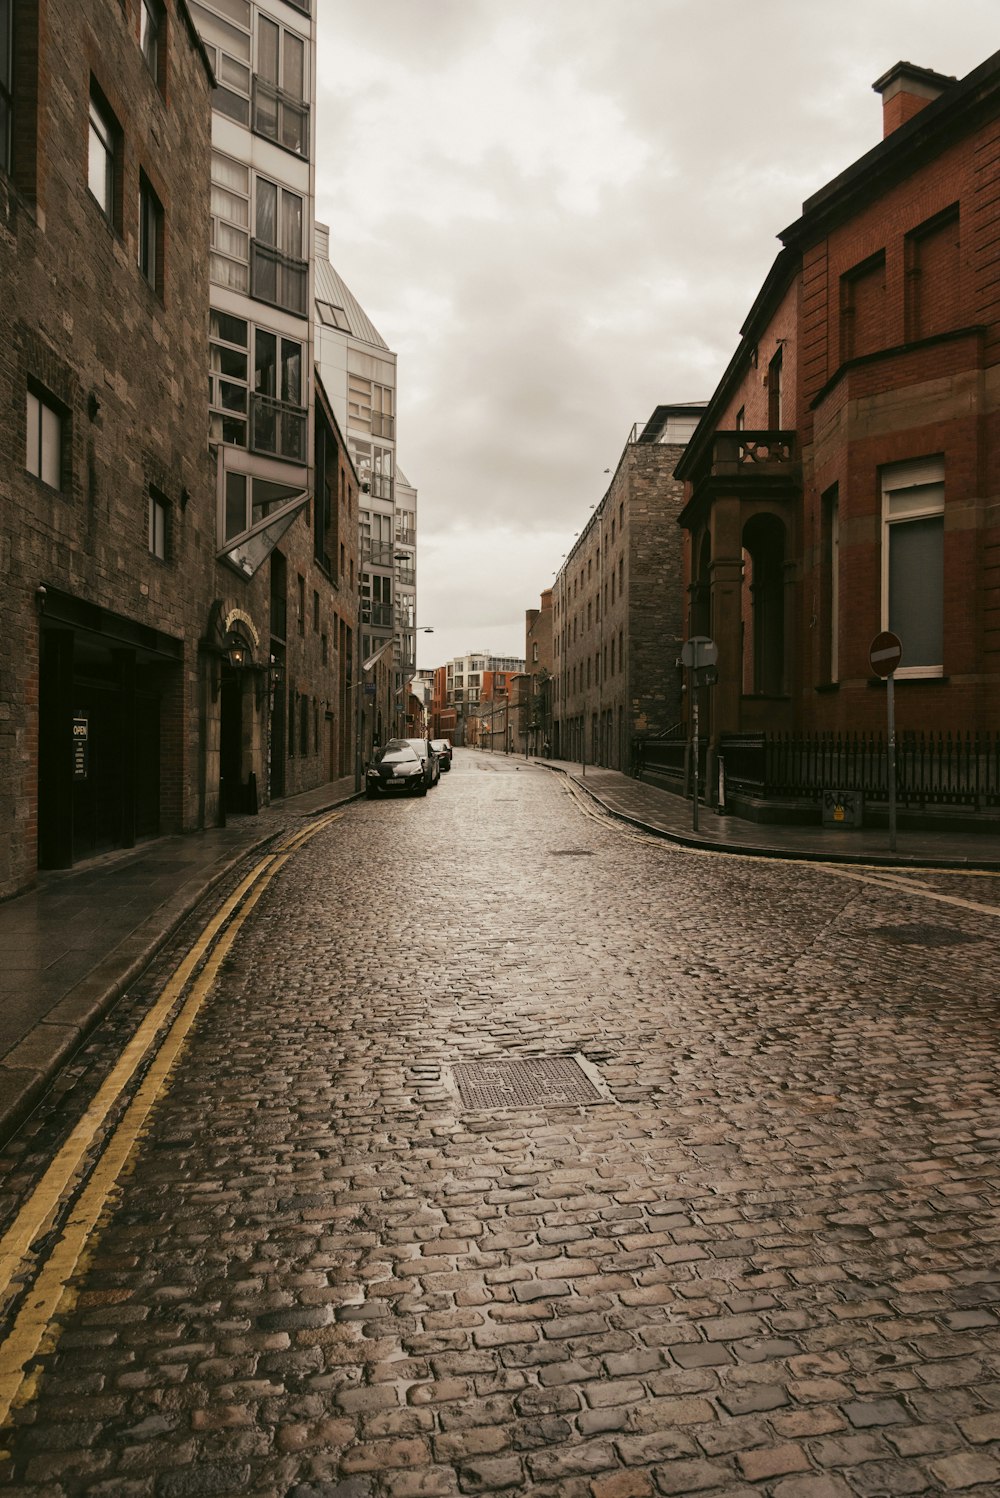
<point x="467" y="680"/>
<point x="618" y="603"/>
<point x="359" y="372"/>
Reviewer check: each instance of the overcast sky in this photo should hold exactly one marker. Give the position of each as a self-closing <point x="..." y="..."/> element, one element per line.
<point x="558" y="213"/>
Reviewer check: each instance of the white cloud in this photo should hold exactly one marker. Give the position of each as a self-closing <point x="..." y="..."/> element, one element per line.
<point x="558" y="214"/>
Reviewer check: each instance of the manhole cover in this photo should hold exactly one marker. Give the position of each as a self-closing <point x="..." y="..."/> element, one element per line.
<point x="925" y="936"/>
<point x="570" y="853"/>
<point x="524" y="1083"/>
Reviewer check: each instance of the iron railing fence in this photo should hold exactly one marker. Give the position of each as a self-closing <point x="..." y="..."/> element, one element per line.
<point x="932" y="769"/>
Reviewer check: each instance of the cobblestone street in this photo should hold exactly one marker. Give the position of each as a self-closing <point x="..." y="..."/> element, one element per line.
<point x="755" y="1252"/>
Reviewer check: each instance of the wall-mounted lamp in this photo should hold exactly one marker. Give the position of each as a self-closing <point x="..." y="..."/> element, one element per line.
<point x="236" y="652"/>
<point x="40" y="596"/>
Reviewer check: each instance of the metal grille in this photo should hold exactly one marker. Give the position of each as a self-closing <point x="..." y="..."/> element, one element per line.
<point x="925" y="936"/>
<point x="570" y="853"/>
<point x="524" y="1083"/>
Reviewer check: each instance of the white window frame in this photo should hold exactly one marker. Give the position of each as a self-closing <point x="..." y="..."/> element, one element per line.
<point x="101" y="159"/>
<point x="911" y="491"/>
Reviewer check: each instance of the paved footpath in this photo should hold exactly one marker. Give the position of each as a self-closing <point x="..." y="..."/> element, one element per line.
<point x="515" y="1151"/>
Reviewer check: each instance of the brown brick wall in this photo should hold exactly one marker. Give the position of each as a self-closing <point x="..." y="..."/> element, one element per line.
<point x="126" y="367"/>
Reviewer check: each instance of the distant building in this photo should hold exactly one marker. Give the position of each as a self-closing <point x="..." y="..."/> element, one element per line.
<point x="618" y="603"/>
<point x="467" y="680"/>
<point x="535" y="725"/>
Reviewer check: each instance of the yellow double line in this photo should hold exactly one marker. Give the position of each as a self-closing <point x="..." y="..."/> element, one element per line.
<point x="34" y="1331"/>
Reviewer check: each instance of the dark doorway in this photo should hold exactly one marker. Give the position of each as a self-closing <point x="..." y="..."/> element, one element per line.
<point x="231" y="740"/>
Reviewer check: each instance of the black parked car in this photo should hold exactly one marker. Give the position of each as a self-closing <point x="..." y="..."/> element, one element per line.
<point x="442" y="748"/>
<point x="397" y="767"/>
<point x="431" y="761"/>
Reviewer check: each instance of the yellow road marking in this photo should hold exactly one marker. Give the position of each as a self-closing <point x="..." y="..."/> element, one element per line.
<point x="51" y="1289"/>
<point x="32" y="1331"/>
<point x="38" y="1210"/>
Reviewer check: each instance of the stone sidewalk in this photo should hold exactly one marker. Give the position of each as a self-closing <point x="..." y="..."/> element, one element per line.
<point x="70" y="947"/>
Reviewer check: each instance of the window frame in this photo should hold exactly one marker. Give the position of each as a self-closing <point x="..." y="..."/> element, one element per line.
<point x="150" y="235"/>
<point x="46" y="405"/>
<point x="923" y="475"/>
<point x="110" y="142"/>
<point x="158" y="525"/>
<point x="152" y="38"/>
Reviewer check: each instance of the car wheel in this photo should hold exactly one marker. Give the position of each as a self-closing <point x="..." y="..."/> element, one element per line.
<point x="423" y="790"/>
<point x="371" y="794"/>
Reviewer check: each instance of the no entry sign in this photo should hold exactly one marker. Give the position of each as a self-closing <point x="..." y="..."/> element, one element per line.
<point x="885" y="653"/>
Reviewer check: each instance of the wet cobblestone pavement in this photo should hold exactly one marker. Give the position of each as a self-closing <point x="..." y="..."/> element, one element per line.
<point x="762" y="1259"/>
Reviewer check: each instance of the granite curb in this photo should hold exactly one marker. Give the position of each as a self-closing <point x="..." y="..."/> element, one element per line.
<point x="827" y="854"/>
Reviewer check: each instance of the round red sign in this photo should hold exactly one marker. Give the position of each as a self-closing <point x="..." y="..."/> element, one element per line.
<point x="885" y="653"/>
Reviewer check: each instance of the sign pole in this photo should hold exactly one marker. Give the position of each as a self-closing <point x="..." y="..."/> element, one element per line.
<point x="891" y="708"/>
<point x="694" y="723"/>
<point x="884" y="655"/>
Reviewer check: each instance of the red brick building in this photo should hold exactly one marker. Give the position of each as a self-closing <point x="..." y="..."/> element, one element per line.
<point x="845" y="478"/>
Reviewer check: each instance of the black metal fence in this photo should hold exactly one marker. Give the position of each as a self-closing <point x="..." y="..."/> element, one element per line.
<point x="932" y="769"/>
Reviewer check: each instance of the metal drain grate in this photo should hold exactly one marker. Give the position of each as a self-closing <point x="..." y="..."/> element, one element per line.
<point x="925" y="936"/>
<point x="524" y="1083"/>
<point x="570" y="853"/>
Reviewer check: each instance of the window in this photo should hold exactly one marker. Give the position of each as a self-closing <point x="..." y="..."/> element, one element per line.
<point x="228" y="47"/>
<point x="381" y="472"/>
<point x="157" y="524"/>
<point x="933" y="276"/>
<point x="229" y="257"/>
<point x="103" y="155"/>
<point x="248" y="501"/>
<point x="150" y="235"/>
<point x="278" y="272"/>
<point x="151" y="37"/>
<point x="45" y="440"/>
<point x="830" y="584"/>
<point x="913" y="563"/>
<point x="333" y="316"/>
<point x="383" y="422"/>
<point x="315" y="612"/>
<point x="862" y="308"/>
<point x="278" y="419"/>
<point x="302" y="605"/>
<point x="775" y="403"/>
<point x="228" y="378"/>
<point x="279" y="109"/>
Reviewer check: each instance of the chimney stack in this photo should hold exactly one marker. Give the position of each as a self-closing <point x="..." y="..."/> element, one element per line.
<point x="905" y="89"/>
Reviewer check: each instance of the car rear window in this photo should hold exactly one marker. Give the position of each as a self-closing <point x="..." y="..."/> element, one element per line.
<point x="395" y="754"/>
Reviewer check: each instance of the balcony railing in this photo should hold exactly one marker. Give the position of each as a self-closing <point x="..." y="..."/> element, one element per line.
<point x="278" y="428"/>
<point x="280" y="117"/>
<point x="277" y="278"/>
<point x="744" y="452"/>
<point x="378" y="615"/>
